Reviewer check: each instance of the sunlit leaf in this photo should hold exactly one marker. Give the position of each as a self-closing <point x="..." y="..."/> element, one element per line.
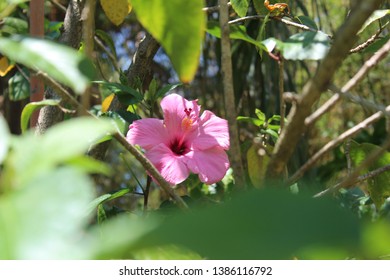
<point x="302" y="46"/>
<point x="240" y="6"/>
<point x="60" y="62"/>
<point x="179" y="27"/>
<point x="376" y="15"/>
<point x="116" y="10"/>
<point x="236" y="32"/>
<point x="257" y="160"/>
<point x="46" y="217"/>
<point x="59" y="144"/>
<point x="107" y="102"/>
<point x="266" y="224"/>
<point x="5" y="66"/>
<point x="29" y="109"/>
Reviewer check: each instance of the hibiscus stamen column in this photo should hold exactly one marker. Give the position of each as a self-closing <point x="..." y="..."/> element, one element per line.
<point x="227" y="80"/>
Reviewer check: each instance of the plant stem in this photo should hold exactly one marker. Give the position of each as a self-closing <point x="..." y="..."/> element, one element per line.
<point x="228" y="89"/>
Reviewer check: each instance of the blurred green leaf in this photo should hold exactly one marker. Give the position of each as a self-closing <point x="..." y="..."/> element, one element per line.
<point x="236" y="32"/>
<point x="305" y="20"/>
<point x="60" y="62"/>
<point x="306" y="45"/>
<point x="376" y="240"/>
<point x="167" y="252"/>
<point x="33" y="106"/>
<point x="378" y="186"/>
<point x="376" y="15"/>
<point x="254" y="121"/>
<point x="179" y="26"/>
<point x="126" y="95"/>
<point x="44" y="220"/>
<point x="162" y="91"/>
<point x="19" y="87"/>
<point x="240" y="6"/>
<point x="260" y="115"/>
<point x="107" y="40"/>
<point x="13" y="25"/>
<point x="266" y="224"/>
<point x="4" y="138"/>
<point x="90" y="165"/>
<point x="59" y="144"/>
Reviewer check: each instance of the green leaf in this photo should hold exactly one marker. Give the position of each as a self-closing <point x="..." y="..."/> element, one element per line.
<point x="378" y="186"/>
<point x="254" y="121"/>
<point x="12" y="25"/>
<point x="162" y="91"/>
<point x="245" y="228"/>
<point x="240" y="6"/>
<point x="168" y="252"/>
<point x="257" y="161"/>
<point x="306" y="45"/>
<point x="4" y="138"/>
<point x="107" y="40"/>
<point x="19" y="87"/>
<point x="236" y="32"/>
<point x="35" y="155"/>
<point x="60" y="62"/>
<point x="90" y="165"/>
<point x="305" y="20"/>
<point x="376" y="15"/>
<point x="260" y="115"/>
<point x="374" y="47"/>
<point x="33" y="106"/>
<point x="45" y="218"/>
<point x="179" y="27"/>
<point x="126" y="95"/>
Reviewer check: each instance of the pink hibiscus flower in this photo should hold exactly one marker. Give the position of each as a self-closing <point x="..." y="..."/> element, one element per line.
<point x="184" y="142"/>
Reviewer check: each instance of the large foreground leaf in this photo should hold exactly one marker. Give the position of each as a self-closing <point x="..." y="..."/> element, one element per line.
<point x="44" y="220"/>
<point x="178" y="26"/>
<point x="60" y="62"/>
<point x="265" y="224"/>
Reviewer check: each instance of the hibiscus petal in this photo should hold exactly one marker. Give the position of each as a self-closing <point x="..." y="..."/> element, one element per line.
<point x="211" y="164"/>
<point x="175" y="107"/>
<point x="171" y="166"/>
<point x="147" y="133"/>
<point x="213" y="131"/>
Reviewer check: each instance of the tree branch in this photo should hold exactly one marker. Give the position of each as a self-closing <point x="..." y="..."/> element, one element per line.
<point x="228" y="89"/>
<point x="373" y="61"/>
<point x="354" y="177"/>
<point x="343" y="41"/>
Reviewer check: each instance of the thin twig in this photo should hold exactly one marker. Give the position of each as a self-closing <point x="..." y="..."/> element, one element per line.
<point x="228" y="89"/>
<point x="294" y="129"/>
<point x="214" y="8"/>
<point x="335" y="142"/>
<point x="373" y="61"/>
<point x="88" y="18"/>
<point x="354" y="177"/>
<point x="281" y="91"/>
<point x="369" y="41"/>
<point x="148" y="166"/>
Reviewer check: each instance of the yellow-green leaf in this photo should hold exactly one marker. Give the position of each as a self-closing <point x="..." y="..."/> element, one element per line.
<point x="116" y="10"/>
<point x="378" y="186"/>
<point x="257" y="159"/>
<point x="179" y="27"/>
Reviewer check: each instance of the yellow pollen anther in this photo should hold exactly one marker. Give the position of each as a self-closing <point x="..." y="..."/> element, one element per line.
<point x="186" y="124"/>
